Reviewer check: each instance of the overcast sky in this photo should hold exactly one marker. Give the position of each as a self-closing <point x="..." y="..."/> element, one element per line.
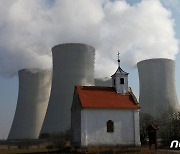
<point x="137" y="29"/>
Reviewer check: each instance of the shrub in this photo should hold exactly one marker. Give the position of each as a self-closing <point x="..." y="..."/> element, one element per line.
<point x="60" y="140"/>
<point x="145" y="120"/>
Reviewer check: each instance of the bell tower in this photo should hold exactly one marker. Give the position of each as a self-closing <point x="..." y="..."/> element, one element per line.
<point x="120" y="79"/>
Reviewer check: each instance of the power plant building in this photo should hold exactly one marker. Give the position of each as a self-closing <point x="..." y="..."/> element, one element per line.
<point x="34" y="92"/>
<point x="157" y="86"/>
<point x="73" y="64"/>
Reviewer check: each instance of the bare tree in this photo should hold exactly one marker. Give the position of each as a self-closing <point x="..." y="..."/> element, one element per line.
<point x="145" y="120"/>
<point x="169" y="127"/>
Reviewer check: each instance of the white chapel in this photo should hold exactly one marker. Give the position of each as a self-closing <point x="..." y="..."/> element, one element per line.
<point x="105" y="115"/>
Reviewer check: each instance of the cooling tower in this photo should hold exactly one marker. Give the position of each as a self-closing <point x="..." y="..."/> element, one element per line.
<point x="157" y="86"/>
<point x="34" y="92"/>
<point x="105" y="82"/>
<point x="73" y="64"/>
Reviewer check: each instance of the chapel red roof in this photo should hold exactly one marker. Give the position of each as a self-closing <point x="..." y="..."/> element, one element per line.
<point x="105" y="97"/>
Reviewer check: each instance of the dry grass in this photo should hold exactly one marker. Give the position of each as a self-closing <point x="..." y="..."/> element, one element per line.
<point x="5" y="149"/>
<point x="125" y="150"/>
<point x="23" y="151"/>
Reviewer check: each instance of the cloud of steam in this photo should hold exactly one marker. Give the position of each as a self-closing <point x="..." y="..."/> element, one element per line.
<point x="29" y="29"/>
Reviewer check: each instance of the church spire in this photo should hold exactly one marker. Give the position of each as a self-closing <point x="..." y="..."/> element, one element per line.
<point x="120" y="79"/>
<point x="118" y="59"/>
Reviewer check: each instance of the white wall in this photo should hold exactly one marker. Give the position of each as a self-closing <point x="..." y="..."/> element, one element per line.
<point x="120" y="88"/>
<point x="94" y="131"/>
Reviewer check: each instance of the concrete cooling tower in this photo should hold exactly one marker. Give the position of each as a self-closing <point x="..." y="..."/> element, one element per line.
<point x="103" y="82"/>
<point x="73" y="64"/>
<point x="157" y="86"/>
<point x="34" y="92"/>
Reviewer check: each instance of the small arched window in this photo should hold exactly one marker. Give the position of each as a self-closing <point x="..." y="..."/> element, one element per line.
<point x="110" y="126"/>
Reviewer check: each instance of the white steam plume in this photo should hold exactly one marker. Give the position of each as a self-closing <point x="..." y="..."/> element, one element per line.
<point x="29" y="29"/>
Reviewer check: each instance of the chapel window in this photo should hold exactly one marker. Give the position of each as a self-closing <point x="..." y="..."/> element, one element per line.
<point x="110" y="126"/>
<point x="114" y="82"/>
<point x="121" y="80"/>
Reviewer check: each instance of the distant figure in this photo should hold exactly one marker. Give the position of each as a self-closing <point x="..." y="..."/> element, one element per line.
<point x="152" y="128"/>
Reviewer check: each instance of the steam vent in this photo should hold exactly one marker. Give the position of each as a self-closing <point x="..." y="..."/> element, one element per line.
<point x="73" y="64"/>
<point x="34" y="92"/>
<point x="157" y="86"/>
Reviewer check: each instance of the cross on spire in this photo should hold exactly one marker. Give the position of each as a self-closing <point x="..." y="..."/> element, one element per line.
<point x="118" y="59"/>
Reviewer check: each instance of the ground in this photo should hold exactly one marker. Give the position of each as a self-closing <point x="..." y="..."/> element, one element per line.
<point x="5" y="149"/>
